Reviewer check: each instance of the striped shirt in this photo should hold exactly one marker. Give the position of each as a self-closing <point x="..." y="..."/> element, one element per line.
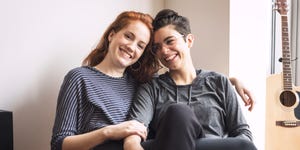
<point x="89" y="100"/>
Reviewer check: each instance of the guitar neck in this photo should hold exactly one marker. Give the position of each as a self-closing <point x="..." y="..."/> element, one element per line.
<point x="286" y="54"/>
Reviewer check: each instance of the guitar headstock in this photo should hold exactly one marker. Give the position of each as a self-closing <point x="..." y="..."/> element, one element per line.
<point x="281" y="7"/>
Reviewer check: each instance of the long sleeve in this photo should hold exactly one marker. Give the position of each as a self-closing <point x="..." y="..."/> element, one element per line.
<point x="66" y="114"/>
<point x="143" y="105"/>
<point x="89" y="100"/>
<point x="235" y="121"/>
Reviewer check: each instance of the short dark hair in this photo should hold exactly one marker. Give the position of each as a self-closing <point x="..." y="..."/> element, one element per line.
<point x="170" y="17"/>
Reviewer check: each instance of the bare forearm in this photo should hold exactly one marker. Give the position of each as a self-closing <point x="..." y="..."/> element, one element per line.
<point x="232" y="80"/>
<point x="111" y="132"/>
<point x="86" y="141"/>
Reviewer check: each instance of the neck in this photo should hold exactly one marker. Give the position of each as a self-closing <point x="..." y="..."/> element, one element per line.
<point x="109" y="69"/>
<point x="184" y="76"/>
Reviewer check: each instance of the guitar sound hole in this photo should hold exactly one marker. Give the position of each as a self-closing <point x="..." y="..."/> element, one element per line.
<point x="287" y="98"/>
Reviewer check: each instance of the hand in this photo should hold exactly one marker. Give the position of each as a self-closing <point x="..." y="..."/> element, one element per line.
<point x="124" y="129"/>
<point x="244" y="93"/>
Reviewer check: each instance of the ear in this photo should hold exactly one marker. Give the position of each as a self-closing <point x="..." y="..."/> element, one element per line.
<point x="111" y="34"/>
<point x="190" y="40"/>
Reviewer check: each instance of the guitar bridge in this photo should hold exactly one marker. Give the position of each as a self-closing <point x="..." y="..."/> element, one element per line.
<point x="288" y="123"/>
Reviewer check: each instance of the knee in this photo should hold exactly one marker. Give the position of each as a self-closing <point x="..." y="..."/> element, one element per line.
<point x="180" y="113"/>
<point x="184" y="119"/>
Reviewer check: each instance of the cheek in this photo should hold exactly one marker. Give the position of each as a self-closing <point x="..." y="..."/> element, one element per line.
<point x="181" y="48"/>
<point x="139" y="53"/>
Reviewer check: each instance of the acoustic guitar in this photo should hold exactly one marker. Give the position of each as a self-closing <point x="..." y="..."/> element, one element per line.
<point x="282" y="103"/>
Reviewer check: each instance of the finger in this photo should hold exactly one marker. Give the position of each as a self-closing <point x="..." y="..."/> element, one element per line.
<point x="251" y="105"/>
<point x="143" y="135"/>
<point x="251" y="101"/>
<point x="141" y="130"/>
<point x="245" y="100"/>
<point x="242" y="95"/>
<point x="249" y="96"/>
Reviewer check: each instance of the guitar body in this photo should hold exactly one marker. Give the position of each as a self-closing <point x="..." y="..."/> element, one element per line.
<point x="279" y="137"/>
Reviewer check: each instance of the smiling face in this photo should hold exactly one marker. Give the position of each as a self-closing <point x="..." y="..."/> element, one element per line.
<point x="171" y="48"/>
<point x="127" y="45"/>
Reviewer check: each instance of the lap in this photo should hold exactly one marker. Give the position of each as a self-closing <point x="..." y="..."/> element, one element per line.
<point x="224" y="143"/>
<point x="110" y="145"/>
<point x="214" y="144"/>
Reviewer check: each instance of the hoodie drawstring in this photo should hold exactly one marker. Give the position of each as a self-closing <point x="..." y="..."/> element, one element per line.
<point x="190" y="95"/>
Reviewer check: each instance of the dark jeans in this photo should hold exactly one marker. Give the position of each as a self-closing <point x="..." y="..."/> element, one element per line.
<point x="110" y="145"/>
<point x="213" y="144"/>
<point x="229" y="143"/>
<point x="180" y="130"/>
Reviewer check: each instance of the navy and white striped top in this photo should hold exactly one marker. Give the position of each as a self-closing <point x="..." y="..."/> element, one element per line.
<point x="89" y="100"/>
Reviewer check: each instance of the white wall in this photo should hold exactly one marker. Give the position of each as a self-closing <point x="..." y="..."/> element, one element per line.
<point x="209" y="21"/>
<point x="40" y="41"/>
<point x="250" y="44"/>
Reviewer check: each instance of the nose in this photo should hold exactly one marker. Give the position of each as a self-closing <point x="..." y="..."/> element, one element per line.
<point x="131" y="46"/>
<point x="164" y="48"/>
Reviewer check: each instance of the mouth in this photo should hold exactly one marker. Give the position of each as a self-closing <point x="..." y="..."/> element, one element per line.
<point x="170" y="57"/>
<point x="126" y="53"/>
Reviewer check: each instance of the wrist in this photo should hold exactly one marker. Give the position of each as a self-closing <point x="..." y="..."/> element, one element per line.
<point x="132" y="142"/>
<point x="106" y="132"/>
<point x="133" y="139"/>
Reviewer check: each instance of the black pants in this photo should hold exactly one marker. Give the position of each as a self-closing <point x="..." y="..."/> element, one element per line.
<point x="110" y="145"/>
<point x="179" y="129"/>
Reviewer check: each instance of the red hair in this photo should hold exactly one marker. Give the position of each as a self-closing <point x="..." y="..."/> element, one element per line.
<point x="147" y="64"/>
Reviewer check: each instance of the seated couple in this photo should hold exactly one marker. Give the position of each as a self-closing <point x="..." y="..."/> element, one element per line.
<point x="113" y="100"/>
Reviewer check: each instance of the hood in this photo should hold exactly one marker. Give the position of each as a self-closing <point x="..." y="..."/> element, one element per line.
<point x="169" y="84"/>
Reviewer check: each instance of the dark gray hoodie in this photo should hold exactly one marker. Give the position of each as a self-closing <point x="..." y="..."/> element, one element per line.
<point x="210" y="95"/>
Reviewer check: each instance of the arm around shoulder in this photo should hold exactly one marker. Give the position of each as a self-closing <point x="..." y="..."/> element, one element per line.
<point x="243" y="92"/>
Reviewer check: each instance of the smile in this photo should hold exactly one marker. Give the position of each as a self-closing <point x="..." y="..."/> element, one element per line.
<point x="170" y="58"/>
<point x="126" y="52"/>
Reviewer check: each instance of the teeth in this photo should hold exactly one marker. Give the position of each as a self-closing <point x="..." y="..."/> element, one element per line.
<point x="124" y="51"/>
<point x="170" y="57"/>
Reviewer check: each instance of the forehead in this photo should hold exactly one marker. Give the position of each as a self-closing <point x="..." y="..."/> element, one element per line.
<point x="139" y="29"/>
<point x="165" y="32"/>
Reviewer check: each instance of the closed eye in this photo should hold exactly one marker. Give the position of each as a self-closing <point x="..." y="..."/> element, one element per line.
<point x="131" y="37"/>
<point x="141" y="46"/>
<point x="169" y="41"/>
<point x="128" y="36"/>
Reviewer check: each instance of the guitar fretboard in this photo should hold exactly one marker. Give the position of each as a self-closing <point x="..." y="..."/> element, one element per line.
<point x="286" y="55"/>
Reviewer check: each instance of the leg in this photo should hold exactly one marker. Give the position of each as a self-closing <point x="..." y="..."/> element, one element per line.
<point x="224" y="144"/>
<point x="178" y="129"/>
<point x="110" y="145"/>
<point x="147" y="145"/>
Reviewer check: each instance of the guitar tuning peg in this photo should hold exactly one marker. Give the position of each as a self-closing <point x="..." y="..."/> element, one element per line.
<point x="276" y="3"/>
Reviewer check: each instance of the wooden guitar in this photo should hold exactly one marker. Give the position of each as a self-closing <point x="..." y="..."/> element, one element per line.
<point x="282" y="104"/>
